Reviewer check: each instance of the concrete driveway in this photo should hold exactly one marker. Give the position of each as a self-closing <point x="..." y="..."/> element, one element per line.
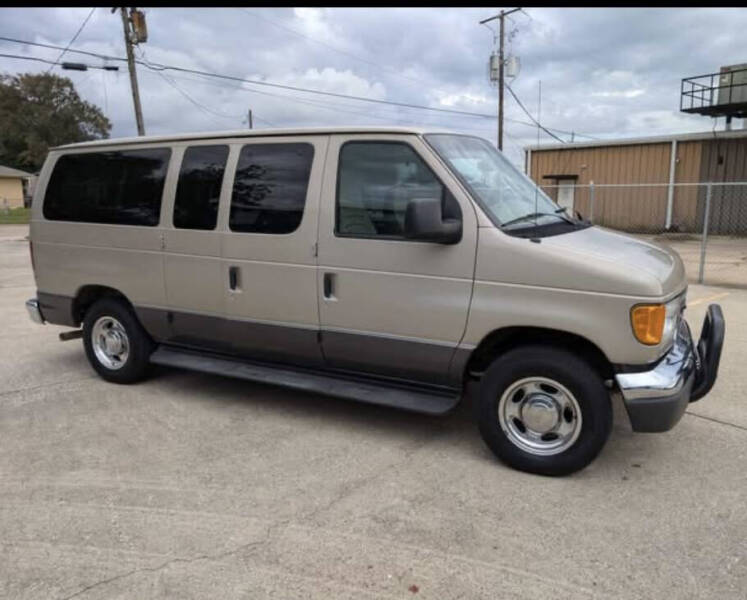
<point x="194" y="486"/>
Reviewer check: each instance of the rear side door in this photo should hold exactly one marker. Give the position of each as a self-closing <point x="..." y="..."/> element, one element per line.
<point x="192" y="247"/>
<point x="269" y="249"/>
<point x="388" y="305"/>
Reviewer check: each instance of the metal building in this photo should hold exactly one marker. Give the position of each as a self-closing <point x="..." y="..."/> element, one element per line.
<point x="567" y="170"/>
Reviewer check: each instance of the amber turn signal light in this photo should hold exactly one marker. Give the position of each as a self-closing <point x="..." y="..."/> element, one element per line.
<point x="648" y="322"/>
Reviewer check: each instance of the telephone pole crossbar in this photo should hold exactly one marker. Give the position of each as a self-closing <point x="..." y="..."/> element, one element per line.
<point x="501" y="16"/>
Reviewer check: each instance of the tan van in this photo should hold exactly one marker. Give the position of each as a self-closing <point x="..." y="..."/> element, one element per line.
<point x="385" y="265"/>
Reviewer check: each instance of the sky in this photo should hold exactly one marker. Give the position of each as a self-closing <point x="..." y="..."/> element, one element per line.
<point x="607" y="73"/>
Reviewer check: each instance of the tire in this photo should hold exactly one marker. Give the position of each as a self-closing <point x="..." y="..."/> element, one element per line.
<point x="559" y="395"/>
<point x="127" y="357"/>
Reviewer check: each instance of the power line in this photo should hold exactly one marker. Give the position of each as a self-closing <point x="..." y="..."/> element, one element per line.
<point x="208" y="111"/>
<point x="201" y="107"/>
<point x="161" y="67"/>
<point x="393" y="72"/>
<point x="508" y="87"/>
<point x="320" y="92"/>
<point x="263" y="120"/>
<point x="315" y="103"/>
<point x="53" y="47"/>
<point x="108" y="57"/>
<point x="75" y="37"/>
<point x="574" y="133"/>
<point x="187" y="96"/>
<point x="53" y="63"/>
<point x="332" y="106"/>
<point x="49" y="62"/>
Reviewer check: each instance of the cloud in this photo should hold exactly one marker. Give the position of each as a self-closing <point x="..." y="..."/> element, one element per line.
<point x="619" y="94"/>
<point x="608" y="73"/>
<point x="464" y="100"/>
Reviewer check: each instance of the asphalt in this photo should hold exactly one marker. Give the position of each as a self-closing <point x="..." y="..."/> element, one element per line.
<point x="195" y="486"/>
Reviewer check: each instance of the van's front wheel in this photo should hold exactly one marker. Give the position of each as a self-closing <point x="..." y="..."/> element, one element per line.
<point x="117" y="346"/>
<point x="544" y="410"/>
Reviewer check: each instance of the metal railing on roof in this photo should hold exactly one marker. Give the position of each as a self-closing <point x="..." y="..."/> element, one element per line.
<point x="715" y="94"/>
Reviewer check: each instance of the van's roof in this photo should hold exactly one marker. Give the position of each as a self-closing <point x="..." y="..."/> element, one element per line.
<point x="237" y="133"/>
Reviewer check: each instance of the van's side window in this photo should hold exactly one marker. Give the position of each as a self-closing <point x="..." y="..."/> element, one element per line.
<point x="198" y="190"/>
<point x="121" y="188"/>
<point x="375" y="181"/>
<point x="269" y="192"/>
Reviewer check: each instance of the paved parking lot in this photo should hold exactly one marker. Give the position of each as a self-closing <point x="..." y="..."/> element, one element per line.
<point x="725" y="257"/>
<point x="195" y="486"/>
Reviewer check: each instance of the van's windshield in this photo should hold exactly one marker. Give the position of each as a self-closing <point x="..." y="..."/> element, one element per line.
<point x="511" y="198"/>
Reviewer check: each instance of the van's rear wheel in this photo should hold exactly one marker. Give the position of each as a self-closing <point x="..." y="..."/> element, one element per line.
<point x="544" y="410"/>
<point x="117" y="346"/>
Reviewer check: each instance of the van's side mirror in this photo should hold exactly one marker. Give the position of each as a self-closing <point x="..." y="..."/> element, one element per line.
<point x="424" y="221"/>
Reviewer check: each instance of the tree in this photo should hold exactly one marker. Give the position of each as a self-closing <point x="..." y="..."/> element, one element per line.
<point x="39" y="111"/>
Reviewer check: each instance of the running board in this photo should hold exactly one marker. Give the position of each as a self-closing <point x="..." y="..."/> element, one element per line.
<point x="407" y="398"/>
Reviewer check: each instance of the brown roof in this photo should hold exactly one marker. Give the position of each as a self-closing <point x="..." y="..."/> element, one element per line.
<point x="8" y="172"/>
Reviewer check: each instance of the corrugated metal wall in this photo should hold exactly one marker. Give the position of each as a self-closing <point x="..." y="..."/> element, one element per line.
<point x="640" y="208"/>
<point x="644" y="209"/>
<point x="725" y="160"/>
<point x="623" y="208"/>
<point x="687" y="170"/>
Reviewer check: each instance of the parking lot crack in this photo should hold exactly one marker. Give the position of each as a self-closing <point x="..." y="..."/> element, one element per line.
<point x="734" y="425"/>
<point x="250" y="546"/>
<point x="350" y="488"/>
<point x="45" y="385"/>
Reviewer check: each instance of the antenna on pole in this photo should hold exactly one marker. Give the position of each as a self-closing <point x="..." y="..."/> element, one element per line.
<point x="539" y="116"/>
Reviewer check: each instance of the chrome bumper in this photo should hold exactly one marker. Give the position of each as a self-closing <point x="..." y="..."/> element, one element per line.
<point x="32" y="306"/>
<point x="668" y="377"/>
<point x="657" y="399"/>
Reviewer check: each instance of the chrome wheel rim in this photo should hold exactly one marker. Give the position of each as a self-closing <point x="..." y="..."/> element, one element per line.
<point x="540" y="416"/>
<point x="110" y="343"/>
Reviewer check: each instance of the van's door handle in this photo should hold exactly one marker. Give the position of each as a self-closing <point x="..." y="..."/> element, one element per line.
<point x="233" y="277"/>
<point x="329" y="286"/>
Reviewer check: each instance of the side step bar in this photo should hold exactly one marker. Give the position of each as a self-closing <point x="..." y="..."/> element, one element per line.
<point x="433" y="402"/>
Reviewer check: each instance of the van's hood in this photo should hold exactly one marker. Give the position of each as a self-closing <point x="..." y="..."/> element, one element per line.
<point x="591" y="259"/>
<point x="662" y="264"/>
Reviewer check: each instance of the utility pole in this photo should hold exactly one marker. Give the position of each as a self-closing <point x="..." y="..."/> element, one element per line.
<point x="501" y="16"/>
<point x="251" y="125"/>
<point x="133" y="73"/>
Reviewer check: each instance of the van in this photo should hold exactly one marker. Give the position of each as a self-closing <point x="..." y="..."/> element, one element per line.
<point x="393" y="266"/>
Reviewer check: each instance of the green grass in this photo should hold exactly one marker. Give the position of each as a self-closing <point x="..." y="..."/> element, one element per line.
<point x="16" y="216"/>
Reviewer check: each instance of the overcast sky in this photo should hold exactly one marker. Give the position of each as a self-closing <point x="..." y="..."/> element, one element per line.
<point x="607" y="73"/>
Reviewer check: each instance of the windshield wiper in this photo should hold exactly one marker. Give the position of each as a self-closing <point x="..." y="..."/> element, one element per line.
<point x="535" y="215"/>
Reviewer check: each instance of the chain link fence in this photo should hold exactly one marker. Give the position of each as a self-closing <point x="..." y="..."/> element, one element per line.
<point x="706" y="223"/>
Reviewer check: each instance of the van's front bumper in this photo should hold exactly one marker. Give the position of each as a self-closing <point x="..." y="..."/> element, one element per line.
<point x="34" y="310"/>
<point x="657" y="399"/>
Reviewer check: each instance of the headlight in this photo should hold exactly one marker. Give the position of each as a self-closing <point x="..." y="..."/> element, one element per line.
<point x="656" y="323"/>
